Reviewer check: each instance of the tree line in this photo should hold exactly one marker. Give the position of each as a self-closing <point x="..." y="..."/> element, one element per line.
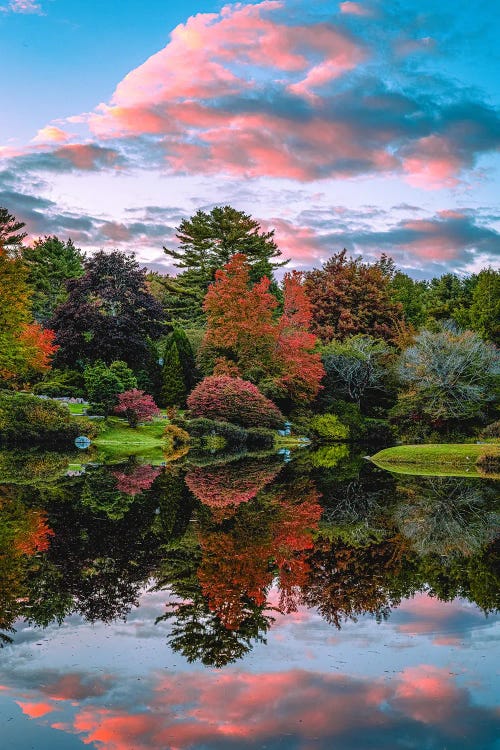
<point x="362" y="344"/>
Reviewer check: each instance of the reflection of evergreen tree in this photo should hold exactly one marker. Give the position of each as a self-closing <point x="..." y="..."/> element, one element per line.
<point x="197" y="632"/>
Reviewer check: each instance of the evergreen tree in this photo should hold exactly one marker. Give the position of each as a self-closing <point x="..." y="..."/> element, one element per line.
<point x="186" y="356"/>
<point x="51" y="263"/>
<point x="207" y="241"/>
<point x="485" y="308"/>
<point x="174" y="389"/>
<point x="11" y="234"/>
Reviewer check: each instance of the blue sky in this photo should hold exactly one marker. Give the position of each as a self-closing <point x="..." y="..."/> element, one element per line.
<point x="369" y="125"/>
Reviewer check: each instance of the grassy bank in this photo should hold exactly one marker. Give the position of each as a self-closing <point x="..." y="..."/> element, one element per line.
<point x="454" y="459"/>
<point x="118" y="439"/>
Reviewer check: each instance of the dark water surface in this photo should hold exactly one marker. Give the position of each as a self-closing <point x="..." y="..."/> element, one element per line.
<point x="246" y="602"/>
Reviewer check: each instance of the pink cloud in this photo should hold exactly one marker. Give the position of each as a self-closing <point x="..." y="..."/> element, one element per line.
<point x="432" y="163"/>
<point x="35" y="709"/>
<point x="51" y="134"/>
<point x="300" y="243"/>
<point x="354" y="9"/>
<point x="23" y="6"/>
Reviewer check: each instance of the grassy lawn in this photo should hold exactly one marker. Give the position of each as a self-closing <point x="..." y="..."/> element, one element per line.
<point x="454" y="459"/>
<point x="121" y="440"/>
<point x="77" y="409"/>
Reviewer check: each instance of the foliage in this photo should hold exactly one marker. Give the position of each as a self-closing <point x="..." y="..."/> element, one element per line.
<point x="177" y="435"/>
<point x="173" y="391"/>
<point x="244" y="337"/>
<point x="104" y="384"/>
<point x="349" y="297"/>
<point x="11" y="232"/>
<point x="233" y="400"/>
<point x="411" y="295"/>
<point x="491" y="430"/>
<point x="51" y="263"/>
<point x="109" y="315"/>
<point x="260" y="437"/>
<point x="202" y="427"/>
<point x="25" y="348"/>
<point x="484" y="316"/>
<point x="206" y="243"/>
<point x="26" y="419"/>
<point x="355" y="366"/>
<point x="329" y="428"/>
<point x="137" y="406"/>
<point x="61" y="383"/>
<point x="448" y="377"/>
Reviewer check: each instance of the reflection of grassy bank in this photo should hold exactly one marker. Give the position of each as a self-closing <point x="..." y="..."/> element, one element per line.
<point x="119" y="439"/>
<point x="436" y="459"/>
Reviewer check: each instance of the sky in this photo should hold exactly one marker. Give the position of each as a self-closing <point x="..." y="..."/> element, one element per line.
<point x="419" y="679"/>
<point x="369" y="125"/>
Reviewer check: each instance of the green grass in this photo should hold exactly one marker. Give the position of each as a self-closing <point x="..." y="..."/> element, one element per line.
<point x="77" y="409"/>
<point x="453" y="459"/>
<point x="118" y="439"/>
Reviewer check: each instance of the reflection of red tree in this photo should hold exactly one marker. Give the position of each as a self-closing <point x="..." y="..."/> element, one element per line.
<point x="299" y="516"/>
<point x="234" y="569"/>
<point x="228" y="485"/>
<point x="239" y="565"/>
<point x="34" y="535"/>
<point x="140" y="478"/>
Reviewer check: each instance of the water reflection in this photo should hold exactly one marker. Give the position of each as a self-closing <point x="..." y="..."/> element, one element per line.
<point x="234" y="551"/>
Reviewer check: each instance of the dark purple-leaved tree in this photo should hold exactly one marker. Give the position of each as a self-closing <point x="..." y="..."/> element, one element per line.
<point x="109" y="314"/>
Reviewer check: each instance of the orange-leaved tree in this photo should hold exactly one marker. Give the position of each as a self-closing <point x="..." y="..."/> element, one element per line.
<point x="246" y="337"/>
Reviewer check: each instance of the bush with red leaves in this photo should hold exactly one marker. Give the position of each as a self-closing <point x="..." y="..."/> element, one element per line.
<point x="233" y="400"/>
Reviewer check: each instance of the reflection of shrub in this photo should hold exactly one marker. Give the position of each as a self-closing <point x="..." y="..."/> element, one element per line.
<point x="488" y="464"/>
<point x="260" y="437"/>
<point x="31" y="466"/>
<point x="328" y="456"/>
<point x="234" y="400"/>
<point x="177" y="435"/>
<point x="26" y="419"/>
<point x="202" y="427"/>
<point x="328" y="427"/>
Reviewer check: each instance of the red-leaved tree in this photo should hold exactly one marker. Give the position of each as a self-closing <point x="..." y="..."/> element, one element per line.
<point x="137" y="407"/>
<point x="244" y="337"/>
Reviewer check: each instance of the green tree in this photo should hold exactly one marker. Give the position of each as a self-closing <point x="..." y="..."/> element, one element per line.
<point x="11" y="234"/>
<point x="104" y="383"/>
<point x="207" y="241"/>
<point x="449" y="379"/>
<point x="173" y="390"/>
<point x="51" y="263"/>
<point x="411" y="295"/>
<point x="485" y="308"/>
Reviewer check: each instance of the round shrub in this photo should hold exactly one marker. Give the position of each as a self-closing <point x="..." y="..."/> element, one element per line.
<point x="329" y="428"/>
<point x="260" y="437"/>
<point x="27" y="419"/>
<point x="235" y="400"/>
<point x="203" y="427"/>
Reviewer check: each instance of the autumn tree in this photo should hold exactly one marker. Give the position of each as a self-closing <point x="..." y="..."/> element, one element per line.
<point x="350" y="297"/>
<point x="25" y="348"/>
<point x="109" y="314"/>
<point x="51" y="263"/>
<point x="137" y="406"/>
<point x="244" y="337"/>
<point x="207" y="241"/>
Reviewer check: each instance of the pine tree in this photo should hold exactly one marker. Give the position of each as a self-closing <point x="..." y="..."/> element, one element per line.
<point x="11" y="234"/>
<point x="186" y="356"/>
<point x="174" y="390"/>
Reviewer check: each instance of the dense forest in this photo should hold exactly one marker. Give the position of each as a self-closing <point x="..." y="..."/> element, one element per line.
<point x="236" y="344"/>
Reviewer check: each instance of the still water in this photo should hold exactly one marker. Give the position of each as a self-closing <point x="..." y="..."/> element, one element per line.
<point x="246" y="602"/>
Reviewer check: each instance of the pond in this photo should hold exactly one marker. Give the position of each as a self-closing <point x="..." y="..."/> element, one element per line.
<point x="299" y="600"/>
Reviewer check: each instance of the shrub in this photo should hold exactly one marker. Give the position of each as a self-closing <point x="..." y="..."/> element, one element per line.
<point x="176" y="434"/>
<point x="234" y="400"/>
<point x="491" y="431"/>
<point x="260" y="437"/>
<point x="60" y="383"/>
<point x="27" y="419"/>
<point x="202" y="427"/>
<point x="378" y="431"/>
<point x="329" y="428"/>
